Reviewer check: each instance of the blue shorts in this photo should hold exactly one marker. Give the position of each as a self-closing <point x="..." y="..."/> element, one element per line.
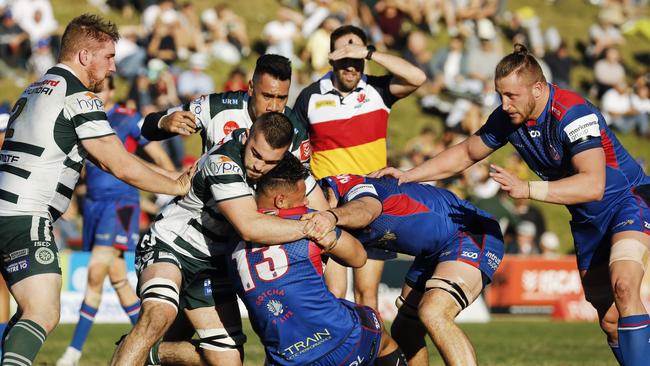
<point x="362" y="345"/>
<point x="479" y="244"/>
<point x="380" y="254"/>
<point x="593" y="239"/>
<point x="111" y="223"/>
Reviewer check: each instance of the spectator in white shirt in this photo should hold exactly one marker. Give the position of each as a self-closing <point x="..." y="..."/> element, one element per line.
<point x="620" y="112"/>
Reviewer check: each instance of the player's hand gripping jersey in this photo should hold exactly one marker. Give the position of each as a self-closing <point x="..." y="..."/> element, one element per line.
<point x="568" y="125"/>
<point x="424" y="221"/>
<point x="298" y="320"/>
<point x="41" y="156"/>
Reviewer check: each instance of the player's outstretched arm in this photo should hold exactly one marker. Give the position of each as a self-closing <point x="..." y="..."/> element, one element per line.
<point x="256" y="227"/>
<point x="446" y="164"/>
<point x="346" y="250"/>
<point x="109" y="153"/>
<point x="587" y="185"/>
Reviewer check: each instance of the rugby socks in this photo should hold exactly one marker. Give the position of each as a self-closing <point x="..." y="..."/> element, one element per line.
<point x="133" y="311"/>
<point x="22" y="343"/>
<point x="633" y="338"/>
<point x="14" y="319"/>
<point x="617" y="352"/>
<point x="86" y="318"/>
<point x="395" y="358"/>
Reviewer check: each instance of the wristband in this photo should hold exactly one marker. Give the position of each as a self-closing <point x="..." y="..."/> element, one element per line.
<point x="538" y="190"/>
<point x="336" y="218"/>
<point x="371" y="49"/>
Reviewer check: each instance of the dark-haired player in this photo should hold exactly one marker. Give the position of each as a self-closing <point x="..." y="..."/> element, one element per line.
<point x="180" y="261"/>
<point x="298" y="320"/>
<point x="566" y="141"/>
<point x="457" y="249"/>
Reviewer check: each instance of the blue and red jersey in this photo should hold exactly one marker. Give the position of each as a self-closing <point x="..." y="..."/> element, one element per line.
<point x="568" y="125"/>
<point x="103" y="185"/>
<point x="416" y="219"/>
<point x="298" y="320"/>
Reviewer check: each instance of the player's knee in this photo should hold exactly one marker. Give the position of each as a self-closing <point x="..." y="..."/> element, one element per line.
<point x="159" y="304"/>
<point x="92" y="297"/>
<point x="45" y="316"/>
<point x="456" y="291"/>
<point x="222" y="339"/>
<point x="624" y="290"/>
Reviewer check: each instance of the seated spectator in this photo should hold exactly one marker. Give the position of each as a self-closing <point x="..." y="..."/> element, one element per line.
<point x="190" y="37"/>
<point x="280" y="35"/>
<point x="608" y="72"/>
<point x="417" y="52"/>
<point x="390" y="19"/>
<point x="162" y="42"/>
<point x="524" y="242"/>
<point x="482" y="60"/>
<point x="641" y="98"/>
<point x="36" y="18"/>
<point x="195" y="82"/>
<point x="317" y="49"/>
<point x="620" y="112"/>
<point x="42" y="59"/>
<point x="560" y="63"/>
<point x="526" y="212"/>
<point x="604" y="34"/>
<point x="227" y="35"/>
<point x="15" y="48"/>
<point x="129" y="56"/>
<point x="236" y="80"/>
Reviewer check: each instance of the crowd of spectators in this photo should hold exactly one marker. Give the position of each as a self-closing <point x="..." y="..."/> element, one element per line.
<point x="164" y="54"/>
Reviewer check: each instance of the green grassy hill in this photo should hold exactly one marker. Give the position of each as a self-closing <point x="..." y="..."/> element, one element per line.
<point x="572" y="18"/>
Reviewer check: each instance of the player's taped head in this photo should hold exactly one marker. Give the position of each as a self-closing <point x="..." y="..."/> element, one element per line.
<point x="452" y="288"/>
<point x="405" y="309"/>
<point x="221" y="339"/>
<point x="160" y="290"/>
<point x="629" y="250"/>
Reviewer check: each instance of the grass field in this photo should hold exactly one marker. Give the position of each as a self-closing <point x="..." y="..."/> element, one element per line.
<point x="503" y="342"/>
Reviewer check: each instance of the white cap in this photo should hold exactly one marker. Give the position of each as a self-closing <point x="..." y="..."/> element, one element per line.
<point x="526" y="228"/>
<point x="485" y="29"/>
<point x="550" y="240"/>
<point x="168" y="16"/>
<point x="199" y="61"/>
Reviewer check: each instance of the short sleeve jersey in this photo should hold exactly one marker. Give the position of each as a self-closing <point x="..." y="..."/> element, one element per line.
<point x="347" y="134"/>
<point x="42" y="157"/>
<point x="291" y="310"/>
<point x="102" y="185"/>
<point x="192" y="225"/>
<point x="416" y="219"/>
<point x="568" y="126"/>
<point x="218" y="114"/>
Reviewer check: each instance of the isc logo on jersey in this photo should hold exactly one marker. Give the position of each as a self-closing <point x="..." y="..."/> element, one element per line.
<point x="224" y="166"/>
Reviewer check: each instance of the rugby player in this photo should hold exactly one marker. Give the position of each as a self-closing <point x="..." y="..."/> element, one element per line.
<point x="111" y="214"/>
<point x="214" y="116"/>
<point x="298" y="320"/>
<point x="57" y="122"/>
<point x="457" y="249"/>
<point x="565" y="140"/>
<point x="181" y="262"/>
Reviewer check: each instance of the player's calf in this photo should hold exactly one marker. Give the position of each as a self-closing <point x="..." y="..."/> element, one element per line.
<point x="409" y="332"/>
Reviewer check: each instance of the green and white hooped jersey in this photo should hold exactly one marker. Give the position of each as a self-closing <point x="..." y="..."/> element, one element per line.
<point x="192" y="225"/>
<point x="218" y="114"/>
<point x="42" y="157"/>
